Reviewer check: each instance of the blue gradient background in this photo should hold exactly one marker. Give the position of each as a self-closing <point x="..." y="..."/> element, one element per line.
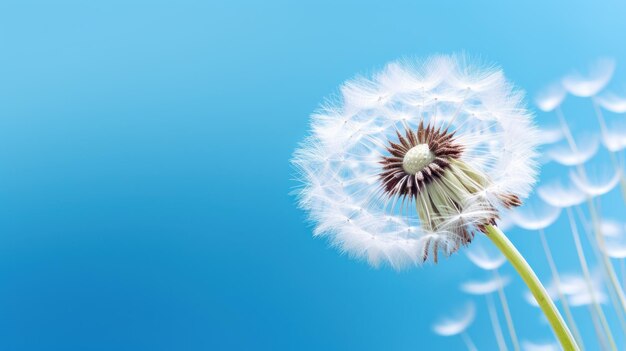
<point x="145" y="177"/>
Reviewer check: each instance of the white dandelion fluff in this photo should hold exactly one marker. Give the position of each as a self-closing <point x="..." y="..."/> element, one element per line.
<point x="612" y="102"/>
<point x="477" y="287"/>
<point x="550" y="97"/>
<point x="585" y="149"/>
<point x="457" y="322"/>
<point x="596" y="183"/>
<point x="616" y="250"/>
<point x="561" y="194"/>
<point x="549" y="135"/>
<point x="535" y="216"/>
<point x="416" y="159"/>
<point x="485" y="259"/>
<point x="580" y="292"/>
<point x="586" y="85"/>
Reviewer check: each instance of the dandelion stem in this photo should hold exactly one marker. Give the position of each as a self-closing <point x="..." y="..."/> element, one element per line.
<point x="522" y="267"/>
<point x="507" y="313"/>
<point x="468" y="342"/>
<point x="495" y="323"/>
<point x="583" y="265"/>
<point x="557" y="281"/>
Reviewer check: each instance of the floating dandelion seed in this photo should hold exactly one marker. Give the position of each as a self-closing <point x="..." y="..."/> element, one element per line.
<point x="565" y="155"/>
<point x="485" y="287"/>
<point x="611" y="102"/>
<point x="416" y="160"/>
<point x="484" y="259"/>
<point x="603" y="181"/>
<point x="550" y="97"/>
<point x="561" y="194"/>
<point x="458" y="324"/>
<point x="586" y="85"/>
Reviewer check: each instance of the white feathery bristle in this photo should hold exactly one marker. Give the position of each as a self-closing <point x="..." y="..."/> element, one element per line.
<point x="488" y="286"/>
<point x="576" y="289"/>
<point x="611" y="228"/>
<point x="596" y="183"/>
<point x="338" y="165"/>
<point x="550" y="97"/>
<point x="535" y="215"/>
<point x="611" y="102"/>
<point x="616" y="250"/>
<point x="549" y="135"/>
<point x="586" y="85"/>
<point x="559" y="194"/>
<point x="614" y="137"/>
<point x="484" y="259"/>
<point x="456" y="323"/>
<point x="586" y="148"/>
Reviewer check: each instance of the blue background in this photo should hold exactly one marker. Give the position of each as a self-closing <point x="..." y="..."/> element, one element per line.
<point x="145" y="176"/>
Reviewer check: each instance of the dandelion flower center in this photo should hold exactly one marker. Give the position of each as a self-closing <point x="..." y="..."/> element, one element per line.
<point x="417" y="158"/>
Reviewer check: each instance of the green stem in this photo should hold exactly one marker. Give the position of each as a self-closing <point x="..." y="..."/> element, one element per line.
<point x="522" y="267"/>
<point x="557" y="281"/>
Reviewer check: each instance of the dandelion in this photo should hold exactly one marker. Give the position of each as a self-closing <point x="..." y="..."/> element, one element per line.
<point x="457" y="324"/>
<point x="416" y="160"/>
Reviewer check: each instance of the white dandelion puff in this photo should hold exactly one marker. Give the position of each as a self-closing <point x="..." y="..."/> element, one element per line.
<point x="616" y="250"/>
<point x="550" y="97"/>
<point x="596" y="183"/>
<point x="485" y="259"/>
<point x="561" y="194"/>
<point x="535" y="216"/>
<point x="612" y="102"/>
<point x="614" y="137"/>
<point x="611" y="228"/>
<point x="586" y="85"/>
<point x="476" y="287"/>
<point x="585" y="149"/>
<point x="549" y="135"/>
<point x="456" y="323"/>
<point x="579" y="292"/>
<point x="416" y="159"/>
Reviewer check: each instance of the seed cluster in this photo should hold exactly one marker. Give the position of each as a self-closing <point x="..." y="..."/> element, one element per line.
<point x="433" y="155"/>
<point x="397" y="181"/>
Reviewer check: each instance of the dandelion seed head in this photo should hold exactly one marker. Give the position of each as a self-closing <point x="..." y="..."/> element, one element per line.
<point x="415" y="159"/>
